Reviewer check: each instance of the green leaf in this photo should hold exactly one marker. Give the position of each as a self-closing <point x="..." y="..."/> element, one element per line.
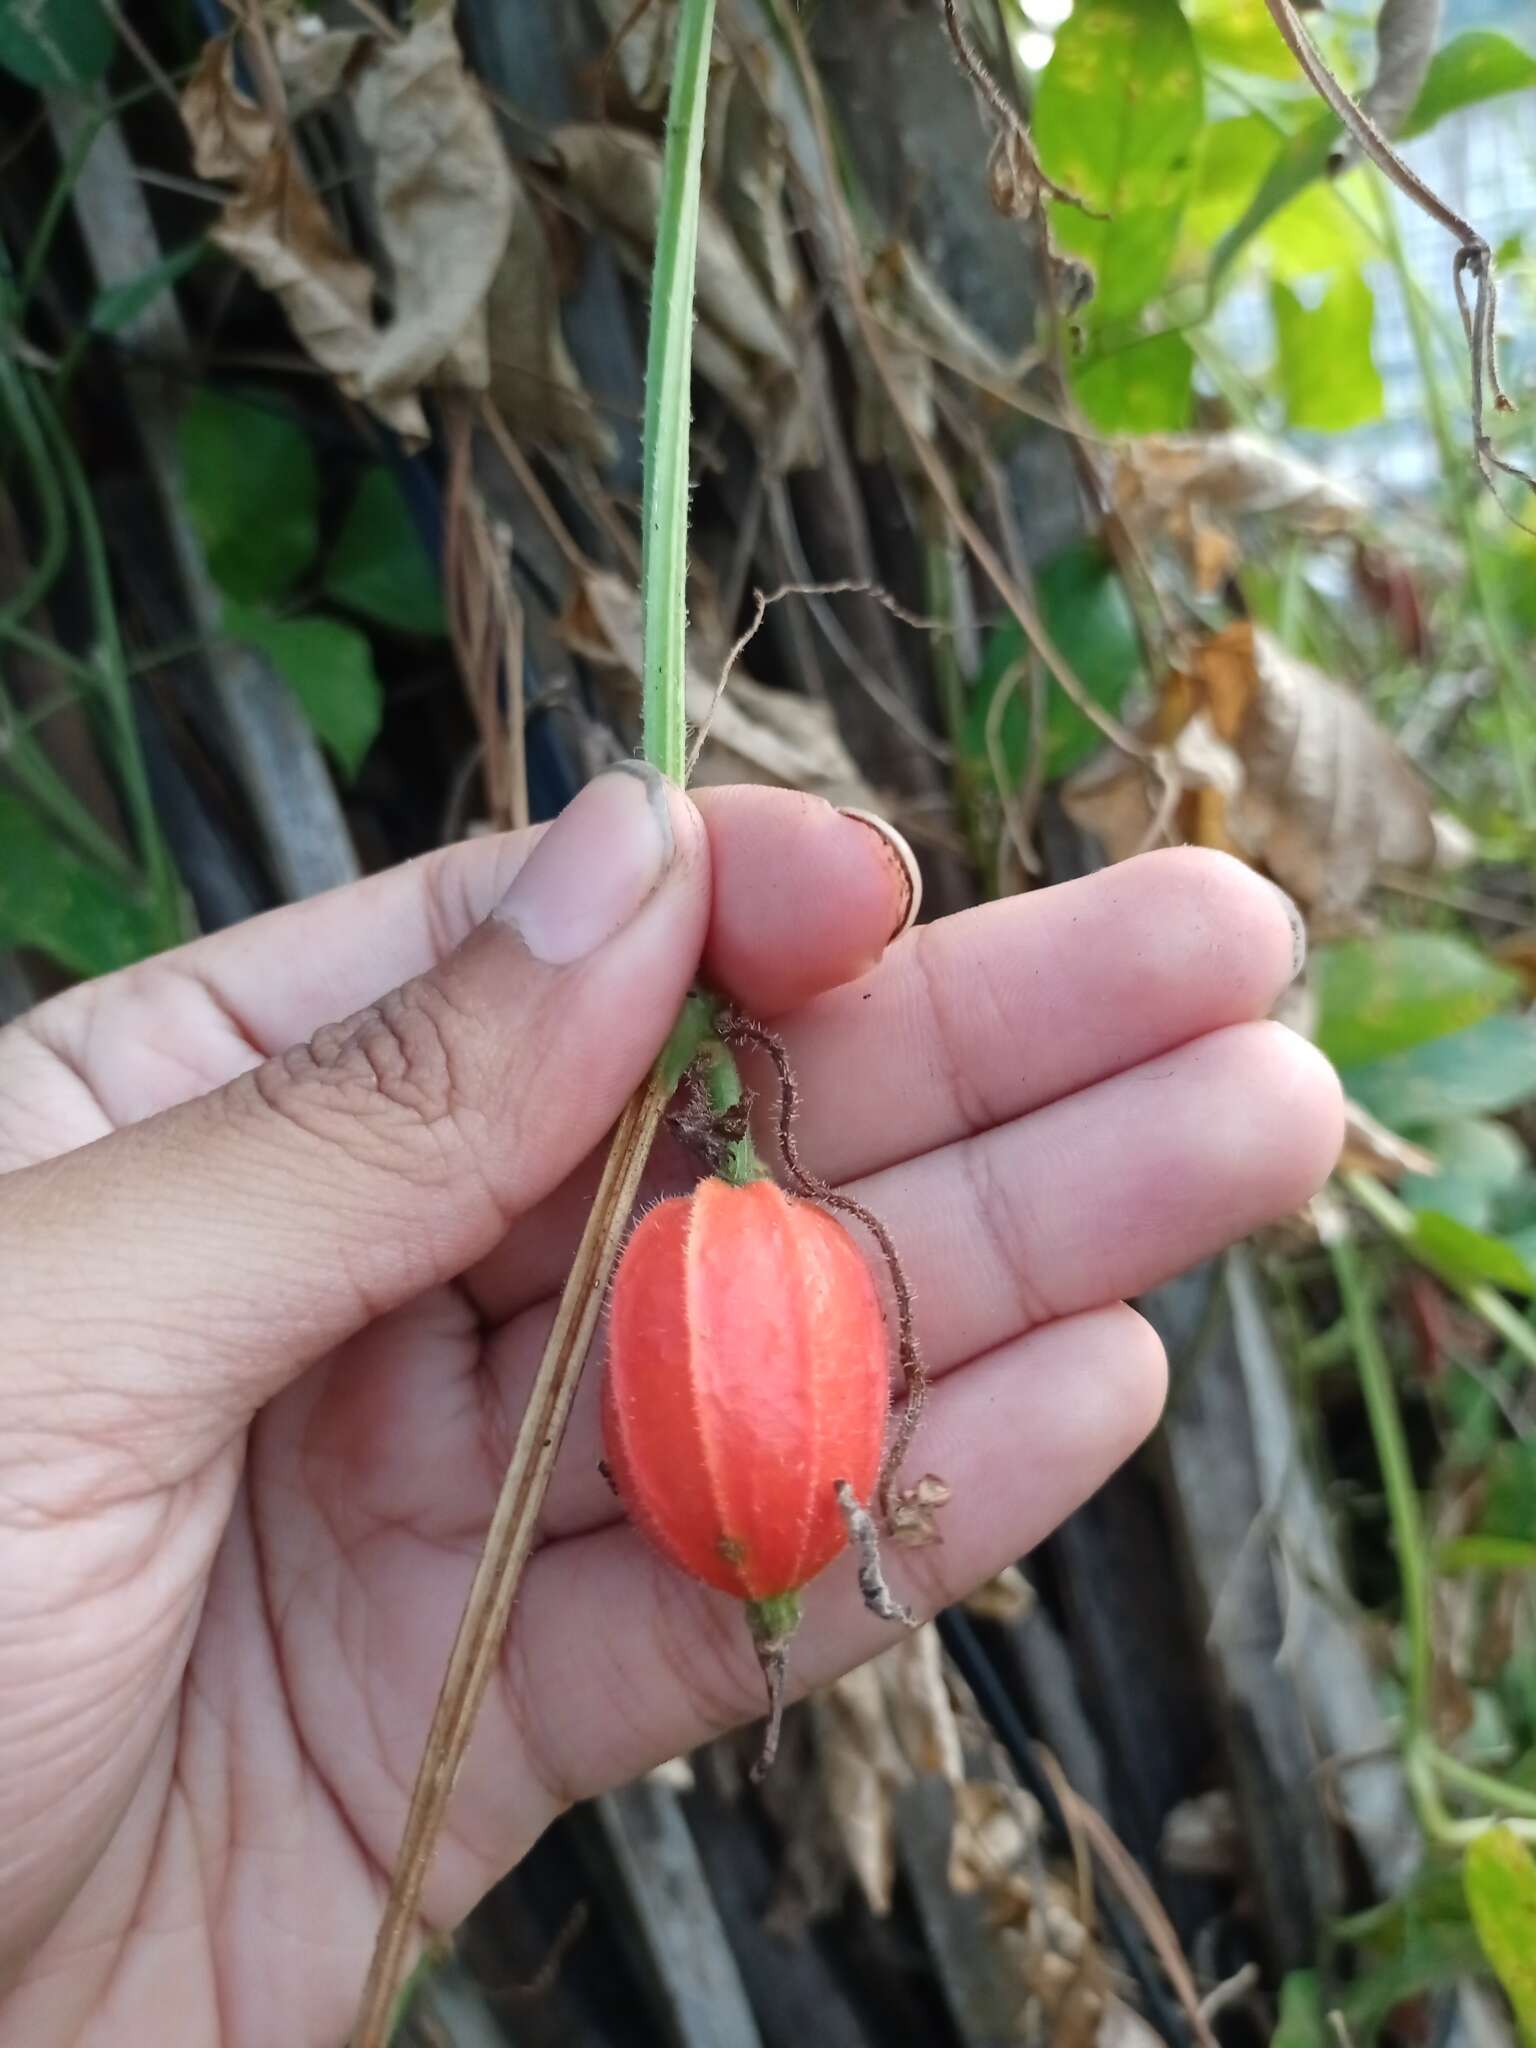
<point x="1301" y="159"/>
<point x="121" y="304"/>
<point x="1230" y="166"/>
<point x="1482" y="1071"/>
<point x="1328" y="377"/>
<point x="56" y="43"/>
<point x="329" y="668"/>
<point x="1500" y="1877"/>
<point x="252" y="489"/>
<point x="1465" y="1256"/>
<point x="1478" y="65"/>
<point x="378" y="566"/>
<point x="1486" y="1554"/>
<point x="1303" y="2019"/>
<point x="1316" y="233"/>
<point x="1509" y="1500"/>
<point x="1086" y="612"/>
<point x="1383" y="995"/>
<point x="1415" y="1942"/>
<point x="55" y="900"/>
<point x="1143" y="388"/>
<point x="1116" y="118"/>
<point x="1242" y="35"/>
<point x="1482" y="1164"/>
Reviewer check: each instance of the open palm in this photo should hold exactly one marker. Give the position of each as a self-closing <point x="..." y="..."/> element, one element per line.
<point x="269" y="1316"/>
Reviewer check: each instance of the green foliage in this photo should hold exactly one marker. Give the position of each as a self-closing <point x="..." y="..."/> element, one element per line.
<point x="1481" y="1165"/>
<point x="1085" y="611"/>
<point x="253" y="491"/>
<point x="1422" y="1939"/>
<point x="1465" y="1256"/>
<point x="56" y="44"/>
<point x="1328" y="377"/>
<point x="1242" y="35"/>
<point x="1142" y="388"/>
<point x="1500" y="1878"/>
<point x="1476" y="66"/>
<point x="120" y="305"/>
<point x="1116" y="120"/>
<point x="1509" y="1504"/>
<point x="1488" y="1068"/>
<point x="1303" y="2018"/>
<point x="1301" y="159"/>
<point x="378" y="565"/>
<point x="71" y="908"/>
<point x="329" y="668"/>
<point x="1382" y="995"/>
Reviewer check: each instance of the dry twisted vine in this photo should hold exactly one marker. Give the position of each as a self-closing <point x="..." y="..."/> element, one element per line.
<point x="1473" y="258"/>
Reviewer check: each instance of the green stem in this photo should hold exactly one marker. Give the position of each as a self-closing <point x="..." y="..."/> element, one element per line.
<point x="1397" y="1476"/>
<point x="668" y="399"/>
<point x="111" y="671"/>
<point x="1486" y="1301"/>
<point x="1482" y="1784"/>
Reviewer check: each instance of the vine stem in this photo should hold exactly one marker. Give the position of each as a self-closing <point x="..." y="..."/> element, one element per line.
<point x="509" y="1541"/>
<point x="668" y="400"/>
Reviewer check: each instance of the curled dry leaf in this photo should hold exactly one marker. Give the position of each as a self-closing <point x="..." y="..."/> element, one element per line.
<point x="1201" y="492"/>
<point x="534" y="380"/>
<point x="741" y="344"/>
<point x="441" y="196"/>
<point x="1369" y="1147"/>
<point x="276" y="226"/>
<point x="1274" y="761"/>
<point x="1007" y="1598"/>
<point x="756" y="734"/>
<point x="444" y="195"/>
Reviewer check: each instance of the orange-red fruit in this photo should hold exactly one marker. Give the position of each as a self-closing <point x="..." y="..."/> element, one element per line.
<point x="747" y="1374"/>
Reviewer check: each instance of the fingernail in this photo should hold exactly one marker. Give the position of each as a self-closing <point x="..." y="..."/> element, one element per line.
<point x="595" y="866"/>
<point x="909" y="874"/>
<point x="1298" y="926"/>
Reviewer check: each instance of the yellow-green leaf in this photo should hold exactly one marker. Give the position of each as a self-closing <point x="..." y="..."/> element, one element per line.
<point x="1142" y="388"/>
<point x="1116" y="119"/>
<point x="1500" y="1878"/>
<point x="1328" y="376"/>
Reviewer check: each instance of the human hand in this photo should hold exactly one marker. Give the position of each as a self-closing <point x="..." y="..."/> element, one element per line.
<point x="270" y="1314"/>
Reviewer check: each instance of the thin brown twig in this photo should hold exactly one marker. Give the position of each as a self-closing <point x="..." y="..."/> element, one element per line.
<point x="477" y="1645"/>
<point x="840" y="587"/>
<point x="1473" y="255"/>
<point x="1125" y="1874"/>
<point x="1013" y="131"/>
<point x="736" y="1029"/>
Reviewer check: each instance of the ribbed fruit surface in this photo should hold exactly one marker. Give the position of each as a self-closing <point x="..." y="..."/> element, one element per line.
<point x="747" y="1373"/>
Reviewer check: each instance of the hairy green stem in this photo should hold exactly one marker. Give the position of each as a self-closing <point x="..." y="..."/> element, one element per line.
<point x="668" y="399"/>
<point x="1397" y="1476"/>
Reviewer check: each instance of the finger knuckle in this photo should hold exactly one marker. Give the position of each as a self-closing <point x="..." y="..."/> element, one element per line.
<point x="400" y="1084"/>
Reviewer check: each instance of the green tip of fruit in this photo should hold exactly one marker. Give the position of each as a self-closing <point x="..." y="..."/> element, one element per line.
<point x="774" y="1620"/>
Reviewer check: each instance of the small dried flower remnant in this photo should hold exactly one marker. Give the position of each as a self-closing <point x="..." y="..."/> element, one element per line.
<point x="748" y="1389"/>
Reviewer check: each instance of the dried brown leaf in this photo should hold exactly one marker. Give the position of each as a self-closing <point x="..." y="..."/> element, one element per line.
<point x="534" y="380"/>
<point x="1369" y="1147"/>
<point x="276" y="226"/>
<point x="444" y="195"/>
<point x="756" y="734"/>
<point x="1160" y="479"/>
<point x="1274" y="762"/>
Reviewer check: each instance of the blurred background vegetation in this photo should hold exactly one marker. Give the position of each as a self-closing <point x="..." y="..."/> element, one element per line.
<point x="319" y="465"/>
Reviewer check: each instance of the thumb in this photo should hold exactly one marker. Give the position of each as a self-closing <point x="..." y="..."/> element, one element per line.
<point x="188" y="1265"/>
